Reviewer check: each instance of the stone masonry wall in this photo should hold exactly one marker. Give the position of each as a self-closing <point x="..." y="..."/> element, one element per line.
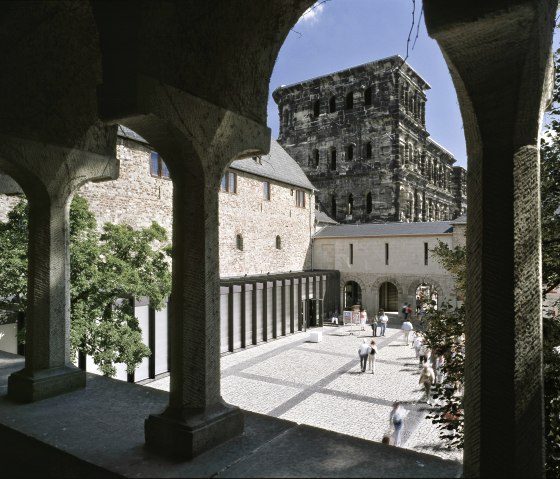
<point x="259" y="222"/>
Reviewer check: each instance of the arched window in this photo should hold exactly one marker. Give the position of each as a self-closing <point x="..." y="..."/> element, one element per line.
<point x="316" y="108"/>
<point x="332" y="104"/>
<point x="350" y="203"/>
<point x="350" y="152"/>
<point x="316" y="158"/>
<point x="369" y="203"/>
<point x="333" y="158"/>
<point x="350" y="100"/>
<point x="278" y="242"/>
<point x="333" y="207"/>
<point x="367" y="97"/>
<point x="369" y="149"/>
<point x="239" y="242"/>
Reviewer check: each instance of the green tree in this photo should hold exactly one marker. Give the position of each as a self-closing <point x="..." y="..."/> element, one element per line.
<point x="550" y="230"/>
<point x="108" y="269"/>
<point x="443" y="332"/>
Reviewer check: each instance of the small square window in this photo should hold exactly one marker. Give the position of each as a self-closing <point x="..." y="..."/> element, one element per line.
<point x="300" y="198"/>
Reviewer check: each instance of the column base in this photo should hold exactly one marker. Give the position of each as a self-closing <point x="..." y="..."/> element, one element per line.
<point x="29" y="386"/>
<point x="186" y="434"/>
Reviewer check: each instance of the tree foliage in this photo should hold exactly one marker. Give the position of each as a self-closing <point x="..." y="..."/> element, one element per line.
<point x="550" y="228"/>
<point x="108" y="269"/>
<point x="443" y="333"/>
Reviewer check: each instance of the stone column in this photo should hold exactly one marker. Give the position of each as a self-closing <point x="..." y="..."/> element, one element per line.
<point x="197" y="139"/>
<point x="499" y="55"/>
<point x="49" y="176"/>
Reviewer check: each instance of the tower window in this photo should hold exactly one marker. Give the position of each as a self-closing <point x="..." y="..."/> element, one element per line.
<point x="266" y="190"/>
<point x="333" y="158"/>
<point x="316" y="108"/>
<point x="278" y="242"/>
<point x="369" y="203"/>
<point x="350" y="203"/>
<point x="386" y="253"/>
<point x="158" y="168"/>
<point x="350" y="152"/>
<point x="239" y="242"/>
<point x="425" y="253"/>
<point x="369" y="149"/>
<point x="332" y="104"/>
<point x="367" y="97"/>
<point x="350" y="101"/>
<point x="333" y="207"/>
<point x="316" y="158"/>
<point x="351" y="256"/>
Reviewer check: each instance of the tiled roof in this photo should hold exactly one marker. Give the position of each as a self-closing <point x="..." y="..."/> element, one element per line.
<point x="277" y="165"/>
<point x="385" y="229"/>
<point x="322" y="217"/>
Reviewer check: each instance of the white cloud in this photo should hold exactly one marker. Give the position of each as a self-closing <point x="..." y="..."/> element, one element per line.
<point x="311" y="15"/>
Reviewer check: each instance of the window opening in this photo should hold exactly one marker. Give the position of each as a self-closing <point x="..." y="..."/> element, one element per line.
<point x="351" y="253"/>
<point x="350" y="101"/>
<point x="333" y="207"/>
<point x="425" y="253"/>
<point x="278" y="242"/>
<point x="266" y="190"/>
<point x="316" y="158"/>
<point x="316" y="108"/>
<point x="369" y="203"/>
<point x="158" y="168"/>
<point x="367" y="97"/>
<point x="350" y="203"/>
<point x="300" y="198"/>
<point x="229" y="182"/>
<point x="369" y="149"/>
<point x="332" y="104"/>
<point x="333" y="158"/>
<point x="349" y="152"/>
<point x="239" y="242"/>
<point x="386" y="253"/>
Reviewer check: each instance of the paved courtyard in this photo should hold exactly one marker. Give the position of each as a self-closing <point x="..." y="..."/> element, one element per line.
<point x="321" y="385"/>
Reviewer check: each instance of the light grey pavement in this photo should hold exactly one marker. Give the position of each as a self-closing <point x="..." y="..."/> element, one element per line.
<point x="321" y="384"/>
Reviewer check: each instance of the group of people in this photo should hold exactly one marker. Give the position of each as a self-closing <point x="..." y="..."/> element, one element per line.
<point x="428" y="377"/>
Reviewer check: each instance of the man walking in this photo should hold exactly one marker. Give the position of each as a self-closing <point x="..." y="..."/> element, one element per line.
<point x="363" y="352"/>
<point x="383" y="320"/>
<point x="406" y="328"/>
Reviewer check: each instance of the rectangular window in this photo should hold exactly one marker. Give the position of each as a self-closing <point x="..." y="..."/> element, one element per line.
<point x="266" y="190"/>
<point x="229" y="182"/>
<point x="300" y="198"/>
<point x="158" y="168"/>
<point x="351" y="253"/>
<point x="386" y="253"/>
<point x="425" y="253"/>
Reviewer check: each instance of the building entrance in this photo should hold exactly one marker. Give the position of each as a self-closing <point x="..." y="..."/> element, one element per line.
<point x="388" y="297"/>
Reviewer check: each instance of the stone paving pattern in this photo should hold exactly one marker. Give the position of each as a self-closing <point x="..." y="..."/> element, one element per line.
<point x="321" y="385"/>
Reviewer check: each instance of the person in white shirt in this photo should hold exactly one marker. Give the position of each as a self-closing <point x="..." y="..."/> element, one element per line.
<point x="406" y="328"/>
<point x="383" y="320"/>
<point x="416" y="344"/>
<point x="396" y="421"/>
<point x="363" y="352"/>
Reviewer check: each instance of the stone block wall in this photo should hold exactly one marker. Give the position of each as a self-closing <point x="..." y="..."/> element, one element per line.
<point x="259" y="222"/>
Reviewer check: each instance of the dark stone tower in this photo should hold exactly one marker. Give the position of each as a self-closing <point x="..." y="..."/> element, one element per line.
<point x="360" y="136"/>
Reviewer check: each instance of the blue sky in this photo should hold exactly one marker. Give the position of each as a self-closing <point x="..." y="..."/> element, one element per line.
<point x="339" y="34"/>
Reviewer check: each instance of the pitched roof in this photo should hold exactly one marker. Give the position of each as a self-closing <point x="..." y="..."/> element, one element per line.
<point x="277" y="165"/>
<point x="324" y="218"/>
<point x="385" y="229"/>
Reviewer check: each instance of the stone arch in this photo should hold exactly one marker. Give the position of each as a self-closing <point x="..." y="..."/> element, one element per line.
<point x="443" y="293"/>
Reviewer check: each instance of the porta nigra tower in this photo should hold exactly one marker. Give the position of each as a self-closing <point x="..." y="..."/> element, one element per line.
<point x="360" y="136"/>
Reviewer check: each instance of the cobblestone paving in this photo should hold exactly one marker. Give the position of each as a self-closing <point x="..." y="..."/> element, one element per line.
<point x="321" y="384"/>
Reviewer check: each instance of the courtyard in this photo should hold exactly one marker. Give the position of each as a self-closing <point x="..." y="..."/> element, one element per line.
<point x="321" y="385"/>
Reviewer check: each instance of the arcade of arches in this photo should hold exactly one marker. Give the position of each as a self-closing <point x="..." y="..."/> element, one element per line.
<point x="58" y="129"/>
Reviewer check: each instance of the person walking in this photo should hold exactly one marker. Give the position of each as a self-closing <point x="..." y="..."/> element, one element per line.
<point x="383" y="320"/>
<point x="406" y="328"/>
<point x="374" y="324"/>
<point x="416" y="344"/>
<point x="427" y="378"/>
<point x="396" y="421"/>
<point x="423" y="355"/>
<point x="363" y="319"/>
<point x="363" y="352"/>
<point x="372" y="356"/>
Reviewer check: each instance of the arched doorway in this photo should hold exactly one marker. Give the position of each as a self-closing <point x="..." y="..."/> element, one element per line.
<point x="352" y="294"/>
<point x="388" y="297"/>
<point x="426" y="297"/>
